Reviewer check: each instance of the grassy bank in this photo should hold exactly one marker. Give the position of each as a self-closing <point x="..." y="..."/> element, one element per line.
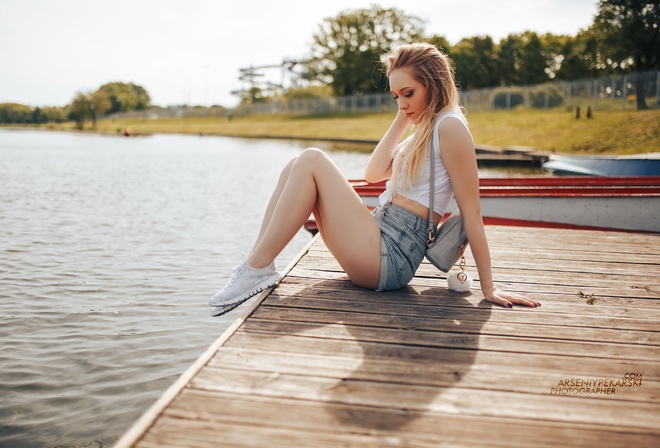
<point x="632" y="132"/>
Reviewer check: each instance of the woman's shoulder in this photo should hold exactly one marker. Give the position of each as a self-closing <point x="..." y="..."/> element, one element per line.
<point x="450" y="120"/>
<point x="451" y="116"/>
<point x="453" y="124"/>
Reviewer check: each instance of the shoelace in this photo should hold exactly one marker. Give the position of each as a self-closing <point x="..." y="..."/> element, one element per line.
<point x="235" y="272"/>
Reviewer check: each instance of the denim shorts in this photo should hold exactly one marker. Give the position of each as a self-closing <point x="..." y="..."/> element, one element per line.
<point x="403" y="237"/>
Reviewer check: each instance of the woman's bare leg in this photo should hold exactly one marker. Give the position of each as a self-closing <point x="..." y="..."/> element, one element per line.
<point x="314" y="183"/>
<point x="284" y="175"/>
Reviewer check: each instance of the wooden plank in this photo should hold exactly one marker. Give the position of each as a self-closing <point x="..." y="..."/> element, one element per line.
<point x="517" y="361"/>
<point x="425" y="294"/>
<point x="561" y="294"/>
<point x="579" y="279"/>
<point x="453" y="325"/>
<point x="466" y="312"/>
<point x="527" y="239"/>
<point x="553" y="298"/>
<point x="547" y="261"/>
<point x="636" y="416"/>
<point x="582" y="349"/>
<point x="176" y="432"/>
<point x="560" y="259"/>
<point x="376" y="424"/>
<point x="439" y="368"/>
<point x="434" y="279"/>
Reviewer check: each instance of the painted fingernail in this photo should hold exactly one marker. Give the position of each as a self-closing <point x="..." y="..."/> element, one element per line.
<point x="510" y="305"/>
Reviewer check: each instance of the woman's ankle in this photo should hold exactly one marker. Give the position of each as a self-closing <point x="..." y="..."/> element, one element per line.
<point x="258" y="263"/>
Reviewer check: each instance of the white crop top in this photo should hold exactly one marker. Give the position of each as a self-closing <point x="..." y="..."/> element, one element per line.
<point x="419" y="188"/>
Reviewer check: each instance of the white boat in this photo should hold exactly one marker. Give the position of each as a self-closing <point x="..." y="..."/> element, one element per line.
<point x="596" y="203"/>
<point x="638" y="165"/>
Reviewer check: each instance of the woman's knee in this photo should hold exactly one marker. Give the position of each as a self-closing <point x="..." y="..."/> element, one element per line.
<point x="310" y="158"/>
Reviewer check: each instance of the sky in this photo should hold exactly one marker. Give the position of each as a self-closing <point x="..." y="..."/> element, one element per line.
<point x="190" y="51"/>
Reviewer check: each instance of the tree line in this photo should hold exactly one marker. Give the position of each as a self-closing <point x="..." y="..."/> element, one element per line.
<point x="86" y="106"/>
<point x="347" y="50"/>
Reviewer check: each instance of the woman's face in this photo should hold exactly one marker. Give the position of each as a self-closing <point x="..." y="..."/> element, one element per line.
<point x="409" y="94"/>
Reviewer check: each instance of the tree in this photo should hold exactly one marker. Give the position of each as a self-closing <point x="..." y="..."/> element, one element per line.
<point x="522" y="59"/>
<point x="629" y="31"/>
<point x="99" y="103"/>
<point x="80" y="109"/>
<point x="533" y="60"/>
<point x="20" y="113"/>
<point x="124" y="97"/>
<point x="15" y="113"/>
<point x="476" y="63"/>
<point x="310" y="92"/>
<point x="253" y="95"/>
<point x="39" y="116"/>
<point x="54" y="114"/>
<point x="573" y="57"/>
<point x="440" y="43"/>
<point x="347" y="49"/>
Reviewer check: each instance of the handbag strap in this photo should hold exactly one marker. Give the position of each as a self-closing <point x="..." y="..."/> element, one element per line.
<point x="432" y="228"/>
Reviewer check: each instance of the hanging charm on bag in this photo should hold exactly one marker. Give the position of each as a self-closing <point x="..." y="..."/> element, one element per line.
<point x="460" y="281"/>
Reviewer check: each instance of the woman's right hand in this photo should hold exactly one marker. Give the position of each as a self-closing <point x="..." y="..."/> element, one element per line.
<point x="380" y="164"/>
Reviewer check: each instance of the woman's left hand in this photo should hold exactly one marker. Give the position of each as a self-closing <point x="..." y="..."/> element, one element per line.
<point x="508" y="299"/>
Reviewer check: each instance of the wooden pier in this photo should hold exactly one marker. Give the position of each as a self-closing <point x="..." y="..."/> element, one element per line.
<point x="523" y="156"/>
<point x="317" y="362"/>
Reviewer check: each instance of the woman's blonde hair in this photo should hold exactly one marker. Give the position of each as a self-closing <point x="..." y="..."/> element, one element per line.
<point x="433" y="69"/>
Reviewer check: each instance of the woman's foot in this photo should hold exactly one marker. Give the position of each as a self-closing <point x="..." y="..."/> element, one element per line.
<point x="244" y="282"/>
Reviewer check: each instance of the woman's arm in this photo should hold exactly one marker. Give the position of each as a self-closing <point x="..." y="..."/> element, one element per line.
<point x="459" y="158"/>
<point x="379" y="166"/>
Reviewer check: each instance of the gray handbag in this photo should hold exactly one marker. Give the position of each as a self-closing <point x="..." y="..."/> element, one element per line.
<point x="446" y="244"/>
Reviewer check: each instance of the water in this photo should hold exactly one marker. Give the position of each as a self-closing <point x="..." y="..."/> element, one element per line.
<point x="109" y="250"/>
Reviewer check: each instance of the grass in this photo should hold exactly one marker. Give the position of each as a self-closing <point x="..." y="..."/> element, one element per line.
<point x="614" y="132"/>
<point x="555" y="130"/>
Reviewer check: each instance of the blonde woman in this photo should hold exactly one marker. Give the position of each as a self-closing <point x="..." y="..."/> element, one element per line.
<point x="381" y="250"/>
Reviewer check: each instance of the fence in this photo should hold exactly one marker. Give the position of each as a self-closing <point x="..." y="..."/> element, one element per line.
<point x="622" y="92"/>
<point x="169" y="112"/>
<point x="610" y="93"/>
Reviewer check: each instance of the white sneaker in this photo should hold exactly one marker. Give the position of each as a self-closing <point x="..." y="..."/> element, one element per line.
<point x="244" y="282"/>
<point x="220" y="310"/>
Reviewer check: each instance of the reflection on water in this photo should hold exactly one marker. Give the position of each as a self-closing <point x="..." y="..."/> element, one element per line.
<point x="109" y="250"/>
